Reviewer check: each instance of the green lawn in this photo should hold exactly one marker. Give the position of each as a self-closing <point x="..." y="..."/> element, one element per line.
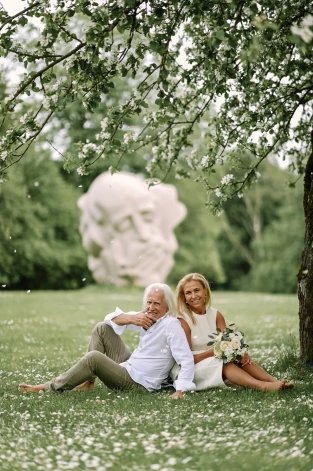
<point x="43" y="333"/>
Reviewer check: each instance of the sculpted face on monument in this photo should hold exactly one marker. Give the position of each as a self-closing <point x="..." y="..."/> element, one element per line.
<point x="127" y="229"/>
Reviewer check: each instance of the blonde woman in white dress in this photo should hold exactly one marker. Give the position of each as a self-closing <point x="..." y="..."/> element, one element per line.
<point x="199" y="320"/>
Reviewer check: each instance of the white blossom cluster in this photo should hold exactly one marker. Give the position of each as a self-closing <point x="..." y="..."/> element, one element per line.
<point x="305" y="29"/>
<point x="6" y="141"/>
<point x="97" y="150"/>
<point x="193" y="159"/>
<point x="129" y="136"/>
<point x="88" y="148"/>
<point x="70" y="62"/>
<point x="4" y="146"/>
<point x="120" y="3"/>
<point x="154" y="117"/>
<point x="52" y="95"/>
<point x="25" y="118"/>
<point x="4" y="155"/>
<point x="45" y="39"/>
<point x="104" y="124"/>
<point x="227" y="179"/>
<point x="220" y="194"/>
<point x="146" y="119"/>
<point x="205" y="161"/>
<point x="104" y="134"/>
<point x="218" y="75"/>
<point x="151" y="165"/>
<point x="164" y="152"/>
<point x="49" y="100"/>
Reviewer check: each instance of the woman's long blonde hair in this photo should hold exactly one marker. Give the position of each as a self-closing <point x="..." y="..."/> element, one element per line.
<point x="183" y="308"/>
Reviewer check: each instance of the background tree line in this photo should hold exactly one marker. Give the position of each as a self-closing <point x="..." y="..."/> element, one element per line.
<point x="254" y="245"/>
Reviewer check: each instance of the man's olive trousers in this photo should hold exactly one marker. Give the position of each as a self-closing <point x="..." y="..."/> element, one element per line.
<point x="105" y="351"/>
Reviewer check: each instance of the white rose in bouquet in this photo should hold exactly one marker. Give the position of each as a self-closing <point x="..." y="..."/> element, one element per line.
<point x="235" y="343"/>
<point x="224" y="345"/>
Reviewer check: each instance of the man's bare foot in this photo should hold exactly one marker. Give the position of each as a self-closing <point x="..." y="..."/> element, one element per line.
<point x="289" y="385"/>
<point x="270" y="386"/>
<point x="29" y="388"/>
<point x="86" y="386"/>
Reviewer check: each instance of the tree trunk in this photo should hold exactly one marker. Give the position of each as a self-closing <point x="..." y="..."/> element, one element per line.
<point x="305" y="275"/>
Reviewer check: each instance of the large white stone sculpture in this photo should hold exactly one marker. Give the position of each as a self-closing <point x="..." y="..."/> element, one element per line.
<point x="127" y="229"/>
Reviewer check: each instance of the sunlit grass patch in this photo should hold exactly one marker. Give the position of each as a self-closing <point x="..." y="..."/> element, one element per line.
<point x="43" y="333"/>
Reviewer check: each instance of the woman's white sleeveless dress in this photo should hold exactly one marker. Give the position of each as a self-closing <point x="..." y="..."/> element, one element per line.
<point x="208" y="372"/>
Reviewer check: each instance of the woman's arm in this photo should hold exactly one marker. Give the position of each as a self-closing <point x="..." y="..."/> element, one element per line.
<point x="220" y="321"/>
<point x="200" y="356"/>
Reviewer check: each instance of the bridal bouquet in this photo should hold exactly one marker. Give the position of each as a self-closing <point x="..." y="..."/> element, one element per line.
<point x="228" y="346"/>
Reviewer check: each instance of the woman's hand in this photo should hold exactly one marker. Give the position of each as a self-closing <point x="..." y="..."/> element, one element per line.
<point x="246" y="360"/>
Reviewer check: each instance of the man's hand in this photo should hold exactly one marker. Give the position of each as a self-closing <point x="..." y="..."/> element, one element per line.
<point x="246" y="360"/>
<point x="143" y="319"/>
<point x="177" y="395"/>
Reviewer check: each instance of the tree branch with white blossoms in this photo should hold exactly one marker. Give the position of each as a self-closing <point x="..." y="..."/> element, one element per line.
<point x="238" y="55"/>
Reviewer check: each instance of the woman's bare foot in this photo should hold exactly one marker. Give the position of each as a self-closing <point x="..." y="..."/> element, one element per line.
<point x="29" y="388"/>
<point x="86" y="386"/>
<point x="270" y="386"/>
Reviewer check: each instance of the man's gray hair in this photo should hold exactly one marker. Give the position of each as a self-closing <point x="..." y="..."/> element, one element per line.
<point x="168" y="297"/>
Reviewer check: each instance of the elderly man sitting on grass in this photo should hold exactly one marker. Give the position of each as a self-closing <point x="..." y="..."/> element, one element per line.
<point x="162" y="343"/>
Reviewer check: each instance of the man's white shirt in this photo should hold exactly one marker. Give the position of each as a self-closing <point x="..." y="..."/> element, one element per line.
<point x="163" y="344"/>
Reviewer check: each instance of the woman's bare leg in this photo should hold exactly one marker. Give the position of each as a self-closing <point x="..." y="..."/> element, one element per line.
<point x="242" y="378"/>
<point x="257" y="372"/>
